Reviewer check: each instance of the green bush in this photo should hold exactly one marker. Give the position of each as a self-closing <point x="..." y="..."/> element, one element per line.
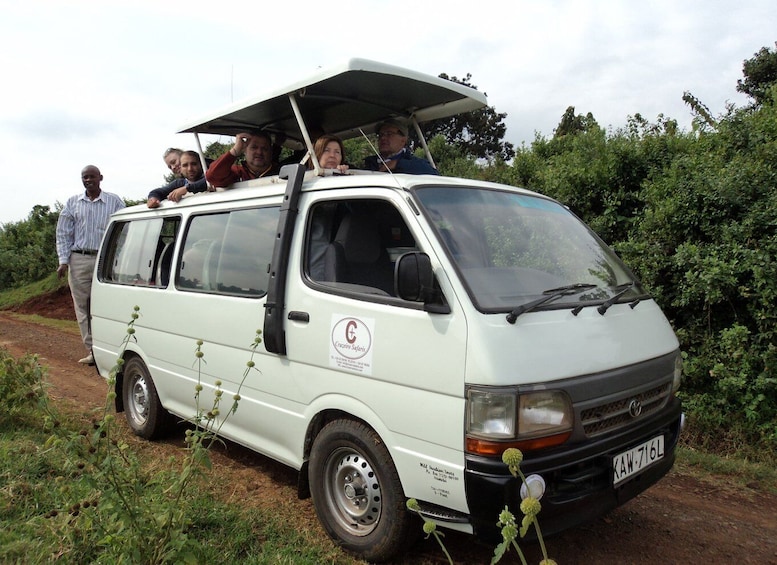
<point x="694" y="216"/>
<point x="22" y="390"/>
<point x="28" y="248"/>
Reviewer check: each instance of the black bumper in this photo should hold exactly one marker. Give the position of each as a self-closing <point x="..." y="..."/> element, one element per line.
<point x="578" y="478"/>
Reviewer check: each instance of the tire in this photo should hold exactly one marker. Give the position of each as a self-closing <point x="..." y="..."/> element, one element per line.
<point x="357" y="493"/>
<point x="144" y="413"/>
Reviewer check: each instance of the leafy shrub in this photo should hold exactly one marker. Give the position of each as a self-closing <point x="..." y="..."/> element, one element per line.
<point x="22" y="389"/>
<point x="693" y="215"/>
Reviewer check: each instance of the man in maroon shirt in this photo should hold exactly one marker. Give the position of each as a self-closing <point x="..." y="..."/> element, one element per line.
<point x="258" y="162"/>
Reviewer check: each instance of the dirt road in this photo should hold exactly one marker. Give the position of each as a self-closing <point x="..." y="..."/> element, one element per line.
<point x="685" y="518"/>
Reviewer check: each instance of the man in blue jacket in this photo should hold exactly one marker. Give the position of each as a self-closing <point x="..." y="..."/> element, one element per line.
<point x="192" y="179"/>
<point x="394" y="154"/>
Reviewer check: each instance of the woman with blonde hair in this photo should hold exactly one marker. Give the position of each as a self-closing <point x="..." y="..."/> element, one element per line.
<point x="172" y="158"/>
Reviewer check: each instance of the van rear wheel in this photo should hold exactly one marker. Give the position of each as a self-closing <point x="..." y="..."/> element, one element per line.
<point x="356" y="491"/>
<point x="145" y="414"/>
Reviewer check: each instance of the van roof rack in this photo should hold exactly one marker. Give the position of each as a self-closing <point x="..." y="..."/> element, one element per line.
<point x="344" y="100"/>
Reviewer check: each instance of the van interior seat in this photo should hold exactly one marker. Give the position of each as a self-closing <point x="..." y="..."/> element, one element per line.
<point x="163" y="267"/>
<point x="357" y="256"/>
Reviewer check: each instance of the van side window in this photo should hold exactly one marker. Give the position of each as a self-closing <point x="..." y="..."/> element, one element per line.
<point x="353" y="245"/>
<point x="229" y="253"/>
<point x="140" y="252"/>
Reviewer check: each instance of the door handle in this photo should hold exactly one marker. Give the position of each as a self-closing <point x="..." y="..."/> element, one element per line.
<point x="296" y="316"/>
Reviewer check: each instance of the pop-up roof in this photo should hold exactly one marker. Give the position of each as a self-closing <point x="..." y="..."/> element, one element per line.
<point x="343" y="99"/>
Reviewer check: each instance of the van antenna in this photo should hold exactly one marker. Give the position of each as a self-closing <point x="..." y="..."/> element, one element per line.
<point x="377" y="154"/>
<point x="420" y="136"/>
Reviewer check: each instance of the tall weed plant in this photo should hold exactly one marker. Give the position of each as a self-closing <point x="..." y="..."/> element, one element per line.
<point x="23" y="395"/>
<point x="105" y="504"/>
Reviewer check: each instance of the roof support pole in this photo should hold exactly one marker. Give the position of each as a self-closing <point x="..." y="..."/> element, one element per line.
<point x="423" y="141"/>
<point x="200" y="151"/>
<point x="305" y="134"/>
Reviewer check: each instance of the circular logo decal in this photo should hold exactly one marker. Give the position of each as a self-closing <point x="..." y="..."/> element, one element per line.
<point x="351" y="338"/>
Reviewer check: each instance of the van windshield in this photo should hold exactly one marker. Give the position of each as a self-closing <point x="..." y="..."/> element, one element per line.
<point x="512" y="249"/>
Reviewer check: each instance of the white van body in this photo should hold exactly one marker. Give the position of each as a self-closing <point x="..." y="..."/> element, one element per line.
<point x="409" y="385"/>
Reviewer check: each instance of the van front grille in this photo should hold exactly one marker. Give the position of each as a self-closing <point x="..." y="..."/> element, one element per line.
<point x="620" y="413"/>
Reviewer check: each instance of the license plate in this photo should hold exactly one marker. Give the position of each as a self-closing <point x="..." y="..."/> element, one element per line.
<point x="631" y="462"/>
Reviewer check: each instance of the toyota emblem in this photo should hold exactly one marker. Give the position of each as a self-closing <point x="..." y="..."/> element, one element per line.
<point x="635" y="408"/>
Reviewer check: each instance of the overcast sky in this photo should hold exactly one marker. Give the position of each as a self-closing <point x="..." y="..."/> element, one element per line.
<point x="109" y="83"/>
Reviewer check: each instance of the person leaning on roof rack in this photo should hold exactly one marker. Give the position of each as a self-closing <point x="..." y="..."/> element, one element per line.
<point x="172" y="158"/>
<point x="330" y="153"/>
<point x="191" y="180"/>
<point x="259" y="162"/>
<point x="394" y="154"/>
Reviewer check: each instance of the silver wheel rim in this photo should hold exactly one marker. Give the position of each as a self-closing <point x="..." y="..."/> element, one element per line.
<point x="138" y="400"/>
<point x="352" y="491"/>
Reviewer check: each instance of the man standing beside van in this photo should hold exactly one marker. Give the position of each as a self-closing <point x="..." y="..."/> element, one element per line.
<point x="394" y="154"/>
<point x="80" y="229"/>
<point x="258" y="162"/>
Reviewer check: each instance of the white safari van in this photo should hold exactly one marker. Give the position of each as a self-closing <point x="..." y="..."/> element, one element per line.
<point x="414" y="327"/>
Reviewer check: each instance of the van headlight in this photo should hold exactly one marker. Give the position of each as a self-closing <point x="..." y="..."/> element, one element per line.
<point x="502" y="418"/>
<point x="677" y="377"/>
<point x="491" y="414"/>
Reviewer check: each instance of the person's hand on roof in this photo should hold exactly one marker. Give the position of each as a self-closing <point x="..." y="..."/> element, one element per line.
<point x="177" y="194"/>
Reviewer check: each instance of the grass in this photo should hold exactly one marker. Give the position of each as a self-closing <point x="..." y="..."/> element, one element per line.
<point x="737" y="471"/>
<point x="53" y="507"/>
<point x="68" y="326"/>
<point x="51" y="504"/>
<point x="17" y="296"/>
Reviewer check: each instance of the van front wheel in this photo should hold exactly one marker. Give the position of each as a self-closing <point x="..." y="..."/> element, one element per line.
<point x="356" y="491"/>
<point x="144" y="412"/>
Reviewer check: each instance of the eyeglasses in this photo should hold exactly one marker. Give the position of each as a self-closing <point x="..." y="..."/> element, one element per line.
<point x="389" y="133"/>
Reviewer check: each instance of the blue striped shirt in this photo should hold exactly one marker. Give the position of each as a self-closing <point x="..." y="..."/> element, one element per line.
<point x="82" y="222"/>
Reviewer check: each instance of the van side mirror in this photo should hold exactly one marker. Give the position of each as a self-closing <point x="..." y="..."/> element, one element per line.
<point x="414" y="281"/>
<point x="413" y="277"/>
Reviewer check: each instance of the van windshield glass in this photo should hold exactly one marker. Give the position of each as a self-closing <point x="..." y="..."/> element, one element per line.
<point x="510" y="248"/>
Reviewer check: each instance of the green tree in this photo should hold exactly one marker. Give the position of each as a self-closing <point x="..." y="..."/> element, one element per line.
<point x="598" y="175"/>
<point x="693" y="215"/>
<point x="216" y="149"/>
<point x="702" y="119"/>
<point x="571" y="124"/>
<point x="760" y="74"/>
<point x="449" y="159"/>
<point x="356" y="150"/>
<point x="705" y="245"/>
<point x="478" y="134"/>
<point x="28" y="248"/>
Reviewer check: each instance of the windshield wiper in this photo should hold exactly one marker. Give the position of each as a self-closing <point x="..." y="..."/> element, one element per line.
<point x="551" y="294"/>
<point x="604" y="306"/>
